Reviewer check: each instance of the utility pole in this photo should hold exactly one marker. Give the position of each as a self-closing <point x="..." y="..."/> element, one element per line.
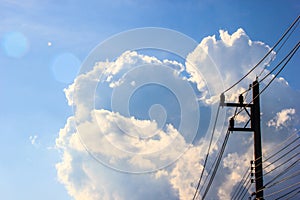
<point x="255" y="124"/>
<point x="254" y="116"/>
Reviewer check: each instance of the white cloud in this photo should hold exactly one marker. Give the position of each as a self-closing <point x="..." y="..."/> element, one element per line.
<point x="33" y="140"/>
<point x="85" y="178"/>
<point x="233" y="55"/>
<point x="229" y="40"/>
<point x="236" y="164"/>
<point x="282" y="118"/>
<point x="184" y="175"/>
<point x="145" y="147"/>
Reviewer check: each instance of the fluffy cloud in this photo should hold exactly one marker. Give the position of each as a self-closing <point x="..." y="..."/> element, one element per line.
<point x="282" y="118"/>
<point x="99" y="145"/>
<point x="85" y="178"/>
<point x="233" y="55"/>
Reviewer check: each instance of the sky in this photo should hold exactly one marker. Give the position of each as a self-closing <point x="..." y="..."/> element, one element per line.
<point x="52" y="112"/>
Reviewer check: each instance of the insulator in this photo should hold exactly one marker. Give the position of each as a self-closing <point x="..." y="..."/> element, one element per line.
<point x="222" y="99"/>
<point x="241" y="99"/>
<point x="231" y="123"/>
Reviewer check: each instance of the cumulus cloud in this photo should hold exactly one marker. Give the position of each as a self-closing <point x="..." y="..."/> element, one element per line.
<point x="99" y="145"/>
<point x="85" y="178"/>
<point x="233" y="55"/>
<point x="282" y="118"/>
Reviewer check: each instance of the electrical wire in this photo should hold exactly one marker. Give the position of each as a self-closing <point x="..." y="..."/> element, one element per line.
<point x="283" y="163"/>
<point x="277" y="176"/>
<point x="208" y="151"/>
<point x="282" y="156"/>
<point x="295" y="133"/>
<point x="285" y="179"/>
<point x="245" y="188"/>
<point x="270" y="72"/>
<point x="280" y="174"/>
<point x="280" y="150"/>
<point x="266" y="55"/>
<point x="277" y="51"/>
<point x="210" y="170"/>
<point x="278" y="166"/>
<point x="217" y="164"/>
<point x="284" y="195"/>
<point x="241" y="183"/>
<point x="282" y="143"/>
<point x="293" y="194"/>
<point x="278" y="191"/>
<point x="291" y="54"/>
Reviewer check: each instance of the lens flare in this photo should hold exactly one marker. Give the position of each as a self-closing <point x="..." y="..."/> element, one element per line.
<point x="15" y="44"/>
<point x="65" y="67"/>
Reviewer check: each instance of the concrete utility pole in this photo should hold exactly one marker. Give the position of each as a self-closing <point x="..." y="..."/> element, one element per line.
<point x="255" y="127"/>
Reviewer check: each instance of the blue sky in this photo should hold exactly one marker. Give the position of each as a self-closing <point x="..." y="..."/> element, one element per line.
<point x="54" y="33"/>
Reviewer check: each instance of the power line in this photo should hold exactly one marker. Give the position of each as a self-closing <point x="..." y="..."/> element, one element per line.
<point x="293" y="50"/>
<point x="278" y="50"/>
<point x="241" y="183"/>
<point x="296" y="48"/>
<point x="284" y="195"/>
<point x="294" y="134"/>
<point x="279" y="175"/>
<point x="289" y="56"/>
<point x="290" y="197"/>
<point x="217" y="164"/>
<point x="283" y="156"/>
<point x="210" y="170"/>
<point x="283" y="163"/>
<point x="267" y="54"/>
<point x="274" y="154"/>
<point x="243" y="188"/>
<point x="278" y="191"/>
<point x="282" y="143"/>
<point x="247" y="189"/>
<point x="271" y="71"/>
<point x="286" y="178"/>
<point x="208" y="151"/>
